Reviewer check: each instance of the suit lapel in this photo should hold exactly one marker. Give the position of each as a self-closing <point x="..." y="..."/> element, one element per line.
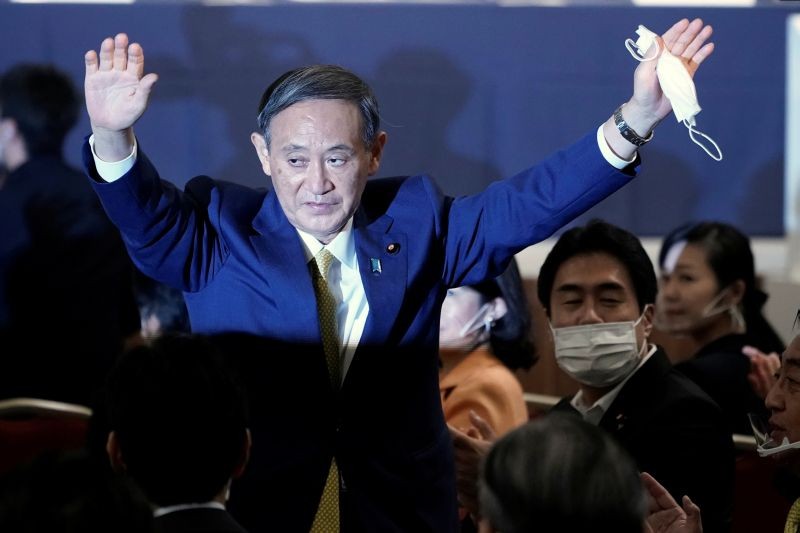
<point x="383" y="263"/>
<point x="282" y="261"/>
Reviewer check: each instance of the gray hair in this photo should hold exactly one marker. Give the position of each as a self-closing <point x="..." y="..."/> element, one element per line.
<point x="559" y="473"/>
<point x="320" y="82"/>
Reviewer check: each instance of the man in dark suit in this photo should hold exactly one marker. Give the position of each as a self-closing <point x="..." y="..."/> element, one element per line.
<point x="363" y="445"/>
<point x="66" y="298"/>
<point x="178" y="420"/>
<point x="598" y="288"/>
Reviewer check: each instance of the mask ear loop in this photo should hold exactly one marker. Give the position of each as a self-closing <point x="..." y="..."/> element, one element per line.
<point x="637" y="53"/>
<point x="693" y="131"/>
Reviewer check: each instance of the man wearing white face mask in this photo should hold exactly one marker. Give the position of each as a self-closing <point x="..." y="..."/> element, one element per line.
<point x="598" y="288"/>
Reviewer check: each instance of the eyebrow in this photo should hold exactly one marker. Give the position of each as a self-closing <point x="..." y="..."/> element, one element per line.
<point x="793" y="362"/>
<point x="606" y="286"/>
<point x="343" y="147"/>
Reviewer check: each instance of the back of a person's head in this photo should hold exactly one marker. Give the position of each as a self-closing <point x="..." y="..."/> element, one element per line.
<point x="510" y="336"/>
<point x="180" y="419"/>
<point x="44" y="104"/>
<point x="559" y="473"/>
<point x="68" y="492"/>
<point x="730" y="257"/>
<point x="601" y="237"/>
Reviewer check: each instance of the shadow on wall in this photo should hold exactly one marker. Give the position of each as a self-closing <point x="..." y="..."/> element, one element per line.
<point x="421" y="92"/>
<point x="234" y="59"/>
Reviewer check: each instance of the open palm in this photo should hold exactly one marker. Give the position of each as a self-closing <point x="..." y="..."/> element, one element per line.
<point x="115" y="88"/>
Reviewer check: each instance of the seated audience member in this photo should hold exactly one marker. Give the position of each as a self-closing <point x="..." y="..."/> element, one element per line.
<point x="484" y="335"/>
<point x="598" y="288"/>
<point x="783" y="402"/>
<point x="708" y="293"/>
<point x="66" y="301"/>
<point x="559" y="473"/>
<point x="68" y="492"/>
<point x="178" y="424"/>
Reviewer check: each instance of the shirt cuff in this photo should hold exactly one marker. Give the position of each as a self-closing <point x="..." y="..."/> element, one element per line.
<point x="613" y="159"/>
<point x="112" y="171"/>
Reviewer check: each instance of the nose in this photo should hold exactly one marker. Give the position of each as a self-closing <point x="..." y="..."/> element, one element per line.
<point x="774" y="400"/>
<point x="668" y="289"/>
<point x="588" y="315"/>
<point x="317" y="182"/>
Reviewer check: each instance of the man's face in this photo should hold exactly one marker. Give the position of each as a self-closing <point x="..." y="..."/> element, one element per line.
<point x="596" y="288"/>
<point x="318" y="164"/>
<point x="783" y="399"/>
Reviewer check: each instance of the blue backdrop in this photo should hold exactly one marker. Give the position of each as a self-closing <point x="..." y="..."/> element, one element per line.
<point x="469" y="93"/>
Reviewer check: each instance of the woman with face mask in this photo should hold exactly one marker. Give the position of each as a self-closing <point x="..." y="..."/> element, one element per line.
<point x="484" y="335"/>
<point x="708" y="293"/>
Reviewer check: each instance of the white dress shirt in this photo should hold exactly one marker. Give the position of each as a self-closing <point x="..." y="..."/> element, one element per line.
<point x="594" y="413"/>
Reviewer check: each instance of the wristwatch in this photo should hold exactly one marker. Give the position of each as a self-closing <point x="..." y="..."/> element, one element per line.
<point x="627" y="132"/>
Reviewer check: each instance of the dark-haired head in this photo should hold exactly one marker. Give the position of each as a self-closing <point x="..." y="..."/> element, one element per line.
<point x="43" y="103"/>
<point x="510" y="335"/>
<point x="560" y="473"/>
<point x="178" y="419"/>
<point x="601" y="237"/>
<point x="727" y="253"/>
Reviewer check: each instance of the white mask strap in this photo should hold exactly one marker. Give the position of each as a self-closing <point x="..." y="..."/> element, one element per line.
<point x="481" y="320"/>
<point x="637" y="53"/>
<point x="693" y="131"/>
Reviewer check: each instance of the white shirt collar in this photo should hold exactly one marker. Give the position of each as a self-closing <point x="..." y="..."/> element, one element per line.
<point x="608" y="398"/>
<point x="161" y="511"/>
<point x="343" y="246"/>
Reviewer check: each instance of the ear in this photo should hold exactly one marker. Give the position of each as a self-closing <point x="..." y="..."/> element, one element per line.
<point x="498" y="308"/>
<point x="737" y="289"/>
<point x="647" y="319"/>
<point x="262" y="151"/>
<point x="376" y="152"/>
<point x="114" y="453"/>
<point x="245" y="457"/>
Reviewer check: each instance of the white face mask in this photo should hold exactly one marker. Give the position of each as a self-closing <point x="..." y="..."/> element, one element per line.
<point x="598" y="355"/>
<point x="482" y="320"/>
<point x="767" y="446"/>
<point x="676" y="83"/>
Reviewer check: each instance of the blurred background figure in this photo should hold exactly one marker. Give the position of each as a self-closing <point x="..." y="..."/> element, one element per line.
<point x="178" y="427"/>
<point x="162" y="308"/>
<point x="708" y="293"/>
<point x="66" y="299"/>
<point x="484" y="336"/>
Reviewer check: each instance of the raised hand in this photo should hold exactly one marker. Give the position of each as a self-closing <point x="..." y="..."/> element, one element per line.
<point x="763" y="368"/>
<point x="116" y="92"/>
<point x="664" y="514"/>
<point x="685" y="40"/>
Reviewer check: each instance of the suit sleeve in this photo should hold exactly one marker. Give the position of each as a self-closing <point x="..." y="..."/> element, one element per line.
<point x="482" y="232"/>
<point x="172" y="236"/>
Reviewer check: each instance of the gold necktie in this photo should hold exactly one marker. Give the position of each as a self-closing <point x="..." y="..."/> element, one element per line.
<point x="793" y="518"/>
<point x="327" y="517"/>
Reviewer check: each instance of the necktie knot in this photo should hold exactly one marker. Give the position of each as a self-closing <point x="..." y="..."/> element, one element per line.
<point x="324" y="259"/>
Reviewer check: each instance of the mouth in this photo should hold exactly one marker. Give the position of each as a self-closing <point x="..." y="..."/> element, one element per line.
<point x="320" y="207"/>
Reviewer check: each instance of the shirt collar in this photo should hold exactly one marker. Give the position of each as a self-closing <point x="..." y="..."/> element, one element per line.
<point x="161" y="511"/>
<point x="608" y="398"/>
<point x="342" y="247"/>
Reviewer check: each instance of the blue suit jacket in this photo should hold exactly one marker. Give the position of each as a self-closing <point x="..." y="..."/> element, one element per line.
<point x="242" y="267"/>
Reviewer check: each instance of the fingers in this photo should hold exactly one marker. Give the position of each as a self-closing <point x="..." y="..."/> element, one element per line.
<point x="135" y="60"/>
<point x="694" y="523"/>
<point x="91" y="62"/>
<point x="658" y="496"/>
<point x="120" y="52"/>
<point x="697" y="43"/>
<point x="671" y="35"/>
<point x="107" y="54"/>
<point x="114" y="54"/>
<point x="685" y="38"/>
